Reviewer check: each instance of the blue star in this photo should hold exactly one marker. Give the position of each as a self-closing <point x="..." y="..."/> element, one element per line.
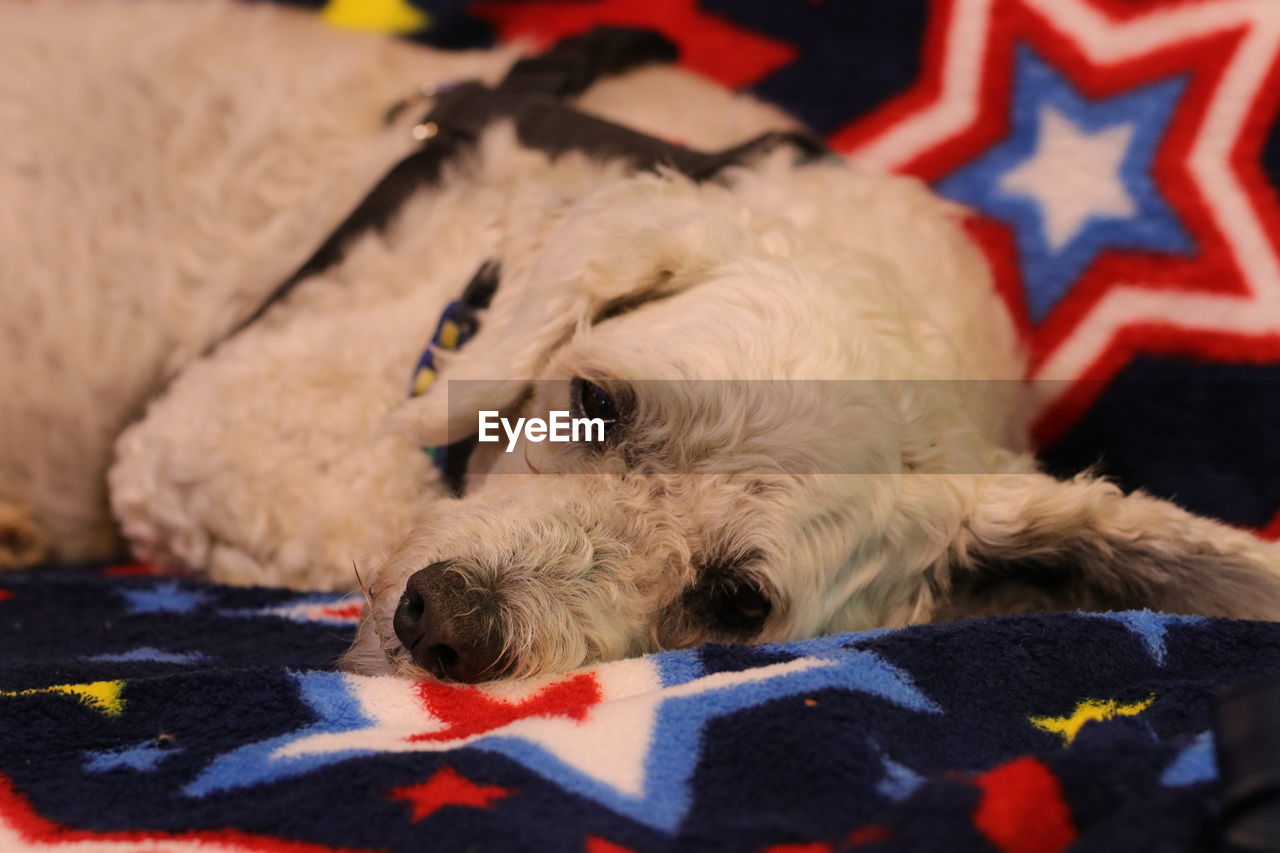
<point x="1074" y="177"/>
<point x="1196" y="763"/>
<point x="1151" y="628"/>
<point x="333" y="609"/>
<point x="336" y="707"/>
<point x="149" y="655"/>
<point x="142" y="757"/>
<point x="163" y="597"/>
<point x="899" y="781"/>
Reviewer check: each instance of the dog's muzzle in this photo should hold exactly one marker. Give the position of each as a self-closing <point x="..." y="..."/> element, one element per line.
<point x="442" y="635"/>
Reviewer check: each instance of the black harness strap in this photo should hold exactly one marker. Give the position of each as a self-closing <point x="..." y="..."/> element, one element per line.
<point x="546" y="124"/>
<point x="421" y="168"/>
<point x="530" y="96"/>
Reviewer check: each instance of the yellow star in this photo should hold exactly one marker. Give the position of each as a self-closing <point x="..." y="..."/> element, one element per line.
<point x="382" y="16"/>
<point x="104" y="696"/>
<point x="1086" y="711"/>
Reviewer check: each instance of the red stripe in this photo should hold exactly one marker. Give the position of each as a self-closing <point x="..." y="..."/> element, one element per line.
<point x="18" y="813"/>
<point x="1149" y="339"/>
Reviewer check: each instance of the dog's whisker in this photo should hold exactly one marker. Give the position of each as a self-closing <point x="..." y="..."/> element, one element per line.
<point x="359" y="580"/>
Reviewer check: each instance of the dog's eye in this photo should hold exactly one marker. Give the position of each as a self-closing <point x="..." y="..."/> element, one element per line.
<point x="589" y="400"/>
<point x="731" y="604"/>
<point x="742" y="604"/>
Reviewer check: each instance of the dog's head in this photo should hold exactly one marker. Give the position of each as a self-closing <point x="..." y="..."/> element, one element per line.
<point x="790" y="448"/>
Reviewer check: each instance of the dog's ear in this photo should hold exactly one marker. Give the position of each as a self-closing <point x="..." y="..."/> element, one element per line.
<point x="1030" y="542"/>
<point x="538" y="308"/>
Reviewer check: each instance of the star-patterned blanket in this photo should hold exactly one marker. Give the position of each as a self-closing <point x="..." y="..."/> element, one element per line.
<point x="142" y="712"/>
<point x="1121" y="158"/>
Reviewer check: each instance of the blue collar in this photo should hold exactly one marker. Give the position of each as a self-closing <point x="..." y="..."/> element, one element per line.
<point x="458" y="324"/>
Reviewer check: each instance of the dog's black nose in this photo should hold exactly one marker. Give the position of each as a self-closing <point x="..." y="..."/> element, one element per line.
<point x="444" y="645"/>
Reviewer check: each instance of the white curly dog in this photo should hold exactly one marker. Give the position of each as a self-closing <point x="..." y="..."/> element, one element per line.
<point x="814" y="423"/>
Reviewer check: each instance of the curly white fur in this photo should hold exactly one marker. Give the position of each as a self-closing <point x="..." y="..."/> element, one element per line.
<point x="177" y="178"/>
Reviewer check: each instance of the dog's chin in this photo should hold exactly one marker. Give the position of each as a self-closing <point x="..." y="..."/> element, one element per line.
<point x="364" y="658"/>
<point x="370" y="655"/>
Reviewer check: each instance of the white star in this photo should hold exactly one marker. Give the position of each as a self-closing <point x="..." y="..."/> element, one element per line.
<point x="623" y="734"/>
<point x="616" y="731"/>
<point x="1074" y="176"/>
<point x="610" y="745"/>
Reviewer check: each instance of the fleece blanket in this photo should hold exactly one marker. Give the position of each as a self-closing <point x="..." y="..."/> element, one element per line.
<point x="1121" y="159"/>
<point x="149" y="713"/>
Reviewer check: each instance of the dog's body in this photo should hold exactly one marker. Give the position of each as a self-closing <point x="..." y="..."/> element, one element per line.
<point x="173" y="182"/>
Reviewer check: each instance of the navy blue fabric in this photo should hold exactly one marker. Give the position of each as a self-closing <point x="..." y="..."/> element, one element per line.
<point x="853" y="57"/>
<point x="1201" y="434"/>
<point x="898" y="744"/>
<point x="1271" y="155"/>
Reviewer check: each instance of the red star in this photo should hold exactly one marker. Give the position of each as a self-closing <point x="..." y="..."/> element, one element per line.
<point x="466" y="711"/>
<point x="1022" y="810"/>
<point x="447" y="788"/>
<point x="5" y="595"/>
<point x="708" y="44"/>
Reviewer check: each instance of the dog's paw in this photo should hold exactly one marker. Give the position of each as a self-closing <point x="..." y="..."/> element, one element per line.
<point x="22" y="541"/>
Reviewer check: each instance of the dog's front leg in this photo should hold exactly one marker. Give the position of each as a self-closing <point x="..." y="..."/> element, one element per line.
<point x="22" y="541"/>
